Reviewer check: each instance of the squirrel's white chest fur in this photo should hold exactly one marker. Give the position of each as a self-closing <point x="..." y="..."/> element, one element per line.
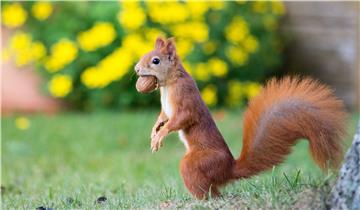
<point x="168" y="109"/>
<point x="165" y="102"/>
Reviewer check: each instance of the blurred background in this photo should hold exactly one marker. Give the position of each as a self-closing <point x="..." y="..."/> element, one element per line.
<point x="68" y="85"/>
<point x="83" y="54"/>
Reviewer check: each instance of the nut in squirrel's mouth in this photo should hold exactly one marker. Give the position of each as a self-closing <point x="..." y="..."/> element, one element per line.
<point x="156" y="83"/>
<point x="156" y="79"/>
<point x="147" y="83"/>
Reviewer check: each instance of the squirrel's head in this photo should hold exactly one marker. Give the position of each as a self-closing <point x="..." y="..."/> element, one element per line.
<point x="160" y="62"/>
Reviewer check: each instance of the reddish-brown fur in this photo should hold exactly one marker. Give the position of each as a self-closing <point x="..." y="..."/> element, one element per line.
<point x="284" y="111"/>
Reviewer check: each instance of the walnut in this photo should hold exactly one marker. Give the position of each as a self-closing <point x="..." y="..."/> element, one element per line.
<point x="146" y="84"/>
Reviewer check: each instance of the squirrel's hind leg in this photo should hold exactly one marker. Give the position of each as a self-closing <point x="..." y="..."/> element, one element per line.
<point x="199" y="185"/>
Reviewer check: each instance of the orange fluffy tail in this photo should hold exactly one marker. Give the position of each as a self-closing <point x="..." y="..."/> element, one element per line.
<point x="284" y="111"/>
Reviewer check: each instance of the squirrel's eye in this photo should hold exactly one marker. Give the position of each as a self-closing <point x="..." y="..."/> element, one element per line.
<point x="156" y="61"/>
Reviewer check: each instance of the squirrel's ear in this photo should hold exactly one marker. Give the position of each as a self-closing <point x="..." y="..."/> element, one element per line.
<point x="160" y="43"/>
<point x="170" y="48"/>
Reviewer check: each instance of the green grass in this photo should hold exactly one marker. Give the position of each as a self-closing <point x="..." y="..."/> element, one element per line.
<point x="68" y="160"/>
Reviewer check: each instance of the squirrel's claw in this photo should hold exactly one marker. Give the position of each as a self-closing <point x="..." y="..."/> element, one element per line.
<point x="154" y="148"/>
<point x="157" y="140"/>
<point x="156" y="143"/>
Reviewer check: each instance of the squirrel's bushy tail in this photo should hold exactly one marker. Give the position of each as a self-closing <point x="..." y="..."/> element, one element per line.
<point x="285" y="111"/>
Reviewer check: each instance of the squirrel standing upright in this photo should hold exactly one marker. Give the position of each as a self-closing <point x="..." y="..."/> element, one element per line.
<point x="284" y="111"/>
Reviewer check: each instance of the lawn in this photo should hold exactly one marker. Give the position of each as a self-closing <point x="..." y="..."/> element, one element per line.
<point x="103" y="160"/>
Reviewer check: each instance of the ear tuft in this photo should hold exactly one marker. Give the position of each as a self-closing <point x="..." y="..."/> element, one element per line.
<point x="160" y="43"/>
<point x="171" y="39"/>
<point x="170" y="47"/>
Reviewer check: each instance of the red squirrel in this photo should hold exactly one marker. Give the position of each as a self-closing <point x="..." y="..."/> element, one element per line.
<point x="284" y="111"/>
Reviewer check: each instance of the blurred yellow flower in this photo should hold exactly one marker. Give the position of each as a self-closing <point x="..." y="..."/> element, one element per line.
<point x="23" y="58"/>
<point x="167" y="12"/>
<point x="187" y="68"/>
<point x="20" y="40"/>
<point x="270" y="22"/>
<point x="209" y="96"/>
<point x="20" y="45"/>
<point x="24" y="50"/>
<point x="60" y="85"/>
<point x="100" y="35"/>
<point x="116" y="64"/>
<point x="250" y="44"/>
<point x="22" y="123"/>
<point x="278" y="7"/>
<point x="217" y="5"/>
<point x="129" y="4"/>
<point x="183" y="47"/>
<point x="202" y="72"/>
<point x="237" y="55"/>
<point x="237" y="30"/>
<point x="91" y="78"/>
<point x="197" y="8"/>
<point x="209" y="47"/>
<point x="136" y="45"/>
<point x="235" y="93"/>
<point x="152" y="33"/>
<point x="218" y="67"/>
<point x="41" y="10"/>
<point x="260" y="6"/>
<point x="13" y="15"/>
<point x="109" y="69"/>
<point x="132" y="16"/>
<point x="195" y="30"/>
<point x="252" y="89"/>
<point x="38" y="50"/>
<point x="62" y="53"/>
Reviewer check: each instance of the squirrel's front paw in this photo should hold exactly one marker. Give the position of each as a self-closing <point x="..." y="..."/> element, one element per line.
<point x="153" y="133"/>
<point x="157" y="141"/>
<point x="161" y="124"/>
<point x="157" y="128"/>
